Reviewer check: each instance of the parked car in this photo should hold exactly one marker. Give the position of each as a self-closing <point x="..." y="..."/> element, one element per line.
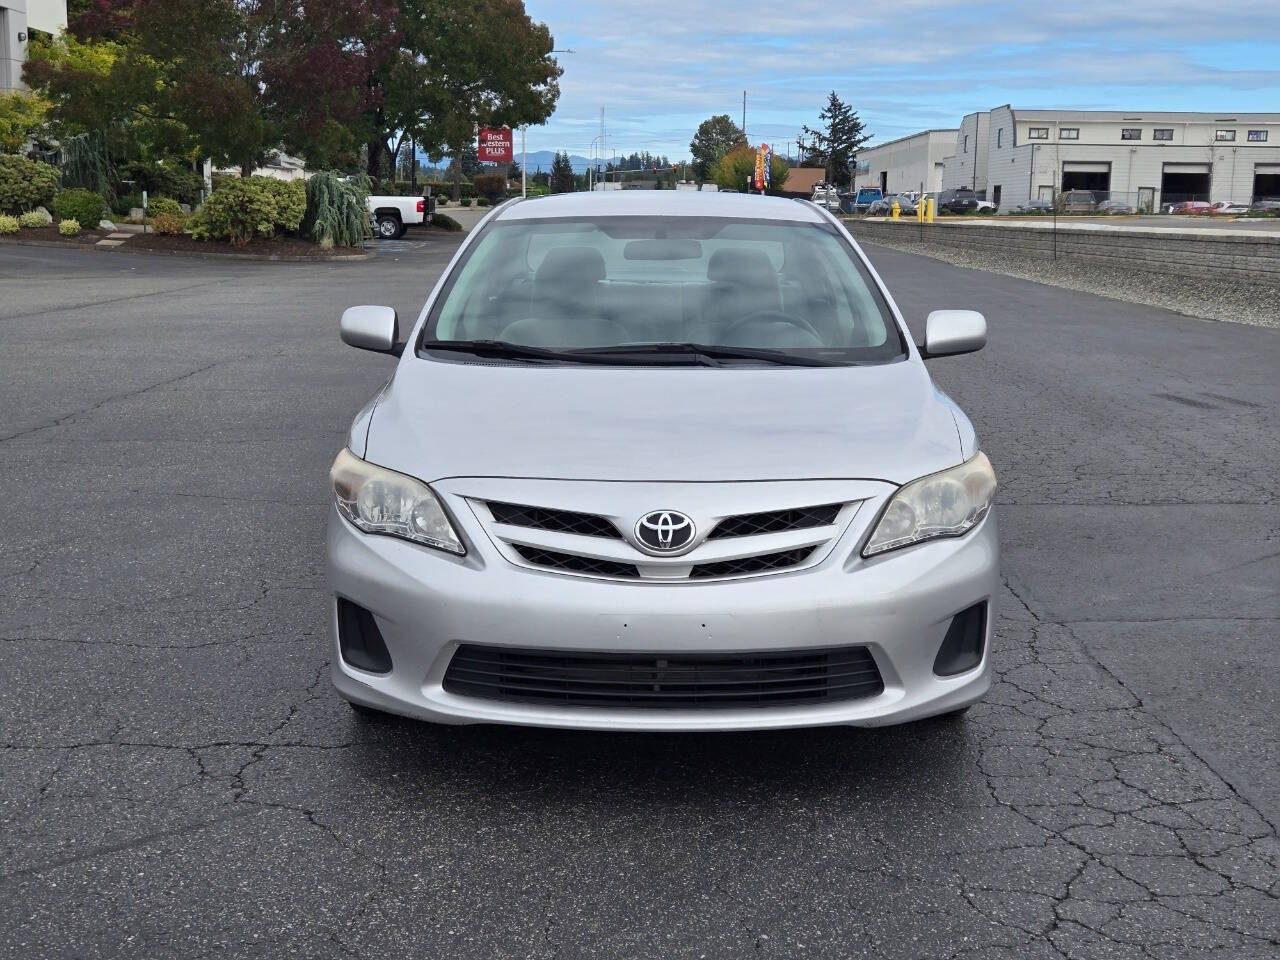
<point x="1034" y="206"/>
<point x="826" y="196"/>
<point x="392" y="216"/>
<point x="1192" y="207"/>
<point x="1115" y="207"/>
<point x="958" y="201"/>
<point x="884" y="206"/>
<point x="635" y="524"/>
<point x="1266" y="205"/>
<point x="1078" y="201"/>
<point x="1229" y="208"/>
<point x="865" y="197"/>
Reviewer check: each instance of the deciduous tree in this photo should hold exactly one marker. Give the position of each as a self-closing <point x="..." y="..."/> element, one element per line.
<point x="716" y="136"/>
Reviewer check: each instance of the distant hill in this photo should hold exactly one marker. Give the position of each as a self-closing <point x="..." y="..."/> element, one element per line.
<point x="541" y="160"/>
<point x="538" y="160"/>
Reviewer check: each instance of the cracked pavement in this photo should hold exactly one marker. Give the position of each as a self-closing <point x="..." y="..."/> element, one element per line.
<point x="178" y="780"/>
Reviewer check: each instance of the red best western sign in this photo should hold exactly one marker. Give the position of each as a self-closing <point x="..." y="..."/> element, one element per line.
<point x="494" y="146"/>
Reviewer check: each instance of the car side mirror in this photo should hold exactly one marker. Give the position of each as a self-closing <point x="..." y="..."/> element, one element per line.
<point x="948" y="332"/>
<point x="371" y="328"/>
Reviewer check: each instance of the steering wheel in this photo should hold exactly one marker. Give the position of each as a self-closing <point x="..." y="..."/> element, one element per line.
<point x="772" y="316"/>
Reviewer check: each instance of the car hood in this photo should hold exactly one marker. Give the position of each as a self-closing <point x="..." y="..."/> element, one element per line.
<point x="443" y="419"/>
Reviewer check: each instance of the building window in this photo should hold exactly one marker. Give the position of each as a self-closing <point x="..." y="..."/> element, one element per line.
<point x="1225" y="135"/>
<point x="999" y="137"/>
<point x="966" y="143"/>
<point x="1257" y="136"/>
<point x="1069" y="133"/>
<point x="1162" y="133"/>
<point x="1038" y="133"/>
<point x="1131" y="133"/>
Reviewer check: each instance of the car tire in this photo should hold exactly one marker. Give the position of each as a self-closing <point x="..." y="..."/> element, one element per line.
<point x="388" y="227"/>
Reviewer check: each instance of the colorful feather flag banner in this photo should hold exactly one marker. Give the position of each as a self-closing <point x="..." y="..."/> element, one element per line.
<point x="762" y="167"/>
<point x="766" y="156"/>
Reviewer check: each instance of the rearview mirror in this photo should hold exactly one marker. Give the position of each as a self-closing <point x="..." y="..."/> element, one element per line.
<point x="948" y="332"/>
<point x="370" y="328"/>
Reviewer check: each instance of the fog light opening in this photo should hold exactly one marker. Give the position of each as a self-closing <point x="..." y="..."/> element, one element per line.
<point x="963" y="646"/>
<point x="360" y="639"/>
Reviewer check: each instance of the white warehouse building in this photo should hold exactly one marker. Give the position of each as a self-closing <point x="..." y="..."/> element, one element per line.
<point x="1147" y="159"/>
<point x="17" y="19"/>
<point x="906" y="163"/>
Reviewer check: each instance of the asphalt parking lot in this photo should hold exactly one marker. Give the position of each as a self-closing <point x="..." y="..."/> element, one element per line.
<point x="178" y="780"/>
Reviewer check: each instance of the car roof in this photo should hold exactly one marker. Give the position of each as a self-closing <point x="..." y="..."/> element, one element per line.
<point x="661" y="203"/>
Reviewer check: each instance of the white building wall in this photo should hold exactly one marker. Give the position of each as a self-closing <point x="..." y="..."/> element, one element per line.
<point x="907" y="162"/>
<point x="967" y="166"/>
<point x="1026" y="168"/>
<point x="17" y="19"/>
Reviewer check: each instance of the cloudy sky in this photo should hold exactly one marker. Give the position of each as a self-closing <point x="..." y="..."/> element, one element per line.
<point x="659" y="67"/>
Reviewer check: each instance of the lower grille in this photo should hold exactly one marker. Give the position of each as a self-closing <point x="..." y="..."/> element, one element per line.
<point x="756" y="564"/>
<point x="571" y="562"/>
<point x="658" y="681"/>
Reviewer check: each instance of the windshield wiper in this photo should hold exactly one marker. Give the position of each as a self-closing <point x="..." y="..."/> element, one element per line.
<point x="711" y="351"/>
<point x="604" y="356"/>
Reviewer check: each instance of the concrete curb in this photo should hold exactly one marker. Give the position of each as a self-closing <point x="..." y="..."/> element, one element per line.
<point x="197" y="255"/>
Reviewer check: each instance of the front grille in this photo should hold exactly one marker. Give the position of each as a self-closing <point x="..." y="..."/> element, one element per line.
<point x="776" y="521"/>
<point x="756" y="564"/>
<point x="656" y="681"/>
<point x="570" y="562"/>
<point x="559" y="521"/>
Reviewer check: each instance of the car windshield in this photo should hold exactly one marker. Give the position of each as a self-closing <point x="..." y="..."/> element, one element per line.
<point x="629" y="288"/>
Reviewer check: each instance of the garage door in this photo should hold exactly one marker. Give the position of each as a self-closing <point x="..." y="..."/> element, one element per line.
<point x="1266" y="181"/>
<point x="1078" y="175"/>
<point x="1184" y="181"/>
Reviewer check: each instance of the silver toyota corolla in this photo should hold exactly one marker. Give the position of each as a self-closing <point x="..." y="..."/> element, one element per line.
<point x="662" y="461"/>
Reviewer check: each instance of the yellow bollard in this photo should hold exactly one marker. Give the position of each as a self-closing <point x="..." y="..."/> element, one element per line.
<point x="920" y="209"/>
<point x="895" y="211"/>
<point x="928" y="216"/>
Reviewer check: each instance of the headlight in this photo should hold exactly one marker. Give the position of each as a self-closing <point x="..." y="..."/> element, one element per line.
<point x="378" y="500"/>
<point x="945" y="504"/>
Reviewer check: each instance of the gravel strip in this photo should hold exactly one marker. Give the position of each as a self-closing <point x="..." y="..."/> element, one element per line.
<point x="1202" y="297"/>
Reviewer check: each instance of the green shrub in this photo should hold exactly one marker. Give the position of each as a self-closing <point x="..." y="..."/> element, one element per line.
<point x="162" y="204"/>
<point x="442" y="201"/>
<point x="445" y="222"/>
<point x="32" y="219"/>
<point x="126" y="202"/>
<point x="482" y="201"/>
<point x="241" y="208"/>
<point x="69" y="227"/>
<point x="25" y="183"/>
<point x="465" y="201"/>
<point x="8" y="224"/>
<point x="168" y="224"/>
<point x="79" y="204"/>
<point x="337" y="209"/>
<point x="164" y="179"/>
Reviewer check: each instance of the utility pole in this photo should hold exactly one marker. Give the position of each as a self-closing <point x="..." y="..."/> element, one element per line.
<point x="744" y="113"/>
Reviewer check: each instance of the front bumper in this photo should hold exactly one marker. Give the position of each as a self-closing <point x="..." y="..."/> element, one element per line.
<point x="428" y="603"/>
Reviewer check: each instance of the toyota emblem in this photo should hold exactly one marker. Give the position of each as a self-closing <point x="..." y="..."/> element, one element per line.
<point x="664" y="531"/>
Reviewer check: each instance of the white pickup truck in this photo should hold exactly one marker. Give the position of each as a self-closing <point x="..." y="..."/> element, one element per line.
<point x="392" y="216"/>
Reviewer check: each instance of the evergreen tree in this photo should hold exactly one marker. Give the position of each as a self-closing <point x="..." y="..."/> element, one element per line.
<point x="562" y="178"/>
<point x="835" y="145"/>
